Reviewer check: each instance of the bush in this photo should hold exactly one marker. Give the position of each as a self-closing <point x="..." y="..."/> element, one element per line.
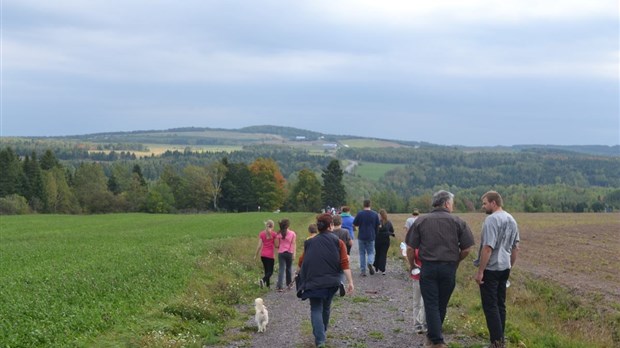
<point x="14" y="205"/>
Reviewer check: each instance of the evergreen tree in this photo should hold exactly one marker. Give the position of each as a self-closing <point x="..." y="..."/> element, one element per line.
<point x="237" y="192"/>
<point x="333" y="193"/>
<point x="138" y="171"/>
<point x="10" y="172"/>
<point x="32" y="183"/>
<point x="49" y="161"/>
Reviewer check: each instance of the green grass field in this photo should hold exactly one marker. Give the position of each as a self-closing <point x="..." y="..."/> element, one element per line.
<point x="374" y="171"/>
<point x="373" y="143"/>
<point x="139" y="280"/>
<point x="126" y="279"/>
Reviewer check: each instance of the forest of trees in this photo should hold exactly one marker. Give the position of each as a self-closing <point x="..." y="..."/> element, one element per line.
<point x="69" y="180"/>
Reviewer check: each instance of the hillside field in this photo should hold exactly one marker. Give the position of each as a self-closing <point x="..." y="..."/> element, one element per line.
<point x="148" y="280"/>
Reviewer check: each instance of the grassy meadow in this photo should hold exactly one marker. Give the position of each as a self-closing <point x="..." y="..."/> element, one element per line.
<point x="374" y="171"/>
<point x="126" y="279"/>
<point x="139" y="280"/>
<point x="367" y="142"/>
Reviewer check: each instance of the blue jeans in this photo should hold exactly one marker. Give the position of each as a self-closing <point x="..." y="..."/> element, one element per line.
<point x="285" y="260"/>
<point x="437" y="281"/>
<point x="493" y="296"/>
<point x="320" y="309"/>
<point x="366" y="247"/>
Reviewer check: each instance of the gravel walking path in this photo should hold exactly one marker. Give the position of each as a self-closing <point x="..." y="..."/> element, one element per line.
<point x="379" y="314"/>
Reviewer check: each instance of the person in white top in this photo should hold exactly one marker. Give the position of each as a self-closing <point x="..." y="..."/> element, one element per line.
<point x="499" y="247"/>
<point x="411" y="219"/>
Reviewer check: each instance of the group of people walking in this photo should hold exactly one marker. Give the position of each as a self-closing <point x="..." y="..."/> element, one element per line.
<point x="285" y="242"/>
<point x="435" y="245"/>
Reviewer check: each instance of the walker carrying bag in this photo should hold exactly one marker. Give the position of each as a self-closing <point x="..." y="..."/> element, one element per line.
<point x="298" y="285"/>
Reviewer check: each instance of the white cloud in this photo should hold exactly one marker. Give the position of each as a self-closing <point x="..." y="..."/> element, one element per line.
<point x="414" y="12"/>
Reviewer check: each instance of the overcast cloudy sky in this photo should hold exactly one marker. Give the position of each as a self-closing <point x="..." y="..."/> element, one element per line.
<point x="467" y="72"/>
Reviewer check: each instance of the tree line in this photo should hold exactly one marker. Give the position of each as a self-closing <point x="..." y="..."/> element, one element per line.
<point x="43" y="184"/>
<point x="277" y="177"/>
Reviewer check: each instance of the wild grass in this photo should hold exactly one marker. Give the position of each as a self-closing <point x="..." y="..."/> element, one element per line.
<point x="126" y="279"/>
<point x="540" y="313"/>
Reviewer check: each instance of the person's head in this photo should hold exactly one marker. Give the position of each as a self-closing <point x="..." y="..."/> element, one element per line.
<point x="284" y="224"/>
<point x="324" y="222"/>
<point x="383" y="215"/>
<point x="416" y="212"/>
<point x="443" y="199"/>
<point x="269" y="224"/>
<point x="337" y="220"/>
<point x="491" y="201"/>
<point x="367" y="203"/>
<point x="312" y="229"/>
<point x="345" y="209"/>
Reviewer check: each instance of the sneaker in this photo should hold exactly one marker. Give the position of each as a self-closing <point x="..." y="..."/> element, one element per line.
<point x="371" y="269"/>
<point x="261" y="283"/>
<point x="419" y="329"/>
<point x="362" y="274"/>
<point x="383" y="273"/>
<point x="280" y="290"/>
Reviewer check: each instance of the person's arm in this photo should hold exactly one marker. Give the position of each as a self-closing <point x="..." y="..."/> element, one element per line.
<point x="258" y="248"/>
<point x="294" y="245"/>
<point x="463" y="254"/>
<point x="514" y="254"/>
<point x="391" y="229"/>
<point x="301" y="260"/>
<point x="344" y="263"/>
<point x="276" y="242"/>
<point x="411" y="258"/>
<point x="485" y="255"/>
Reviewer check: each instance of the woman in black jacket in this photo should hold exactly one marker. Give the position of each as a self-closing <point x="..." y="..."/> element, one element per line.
<point x="324" y="257"/>
<point x="382" y="241"/>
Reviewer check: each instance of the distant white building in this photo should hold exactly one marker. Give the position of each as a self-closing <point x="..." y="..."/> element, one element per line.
<point x="300" y="137"/>
<point x="330" y="145"/>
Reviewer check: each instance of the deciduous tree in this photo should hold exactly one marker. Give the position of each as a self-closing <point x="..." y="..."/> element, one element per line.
<point x="306" y="192"/>
<point x="268" y="183"/>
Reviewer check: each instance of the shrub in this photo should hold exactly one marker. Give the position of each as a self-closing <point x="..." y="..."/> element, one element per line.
<point x="14" y="205"/>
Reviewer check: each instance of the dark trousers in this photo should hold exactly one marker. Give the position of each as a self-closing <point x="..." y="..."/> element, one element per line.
<point x="493" y="296"/>
<point x="285" y="261"/>
<point x="268" y="267"/>
<point x="437" y="281"/>
<point x="381" y="250"/>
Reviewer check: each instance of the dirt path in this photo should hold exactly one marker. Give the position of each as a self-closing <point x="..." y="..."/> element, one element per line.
<point x="377" y="315"/>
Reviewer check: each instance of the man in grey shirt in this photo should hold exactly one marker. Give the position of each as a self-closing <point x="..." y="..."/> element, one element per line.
<point x="499" y="247"/>
<point x="444" y="240"/>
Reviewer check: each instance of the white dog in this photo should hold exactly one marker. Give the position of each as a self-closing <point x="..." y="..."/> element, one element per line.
<point x="261" y="316"/>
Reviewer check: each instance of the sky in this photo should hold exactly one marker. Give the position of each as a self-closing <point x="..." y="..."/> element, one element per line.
<point x="448" y="72"/>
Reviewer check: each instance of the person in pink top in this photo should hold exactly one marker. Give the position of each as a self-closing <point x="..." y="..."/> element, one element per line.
<point x="266" y="249"/>
<point x="286" y="242"/>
